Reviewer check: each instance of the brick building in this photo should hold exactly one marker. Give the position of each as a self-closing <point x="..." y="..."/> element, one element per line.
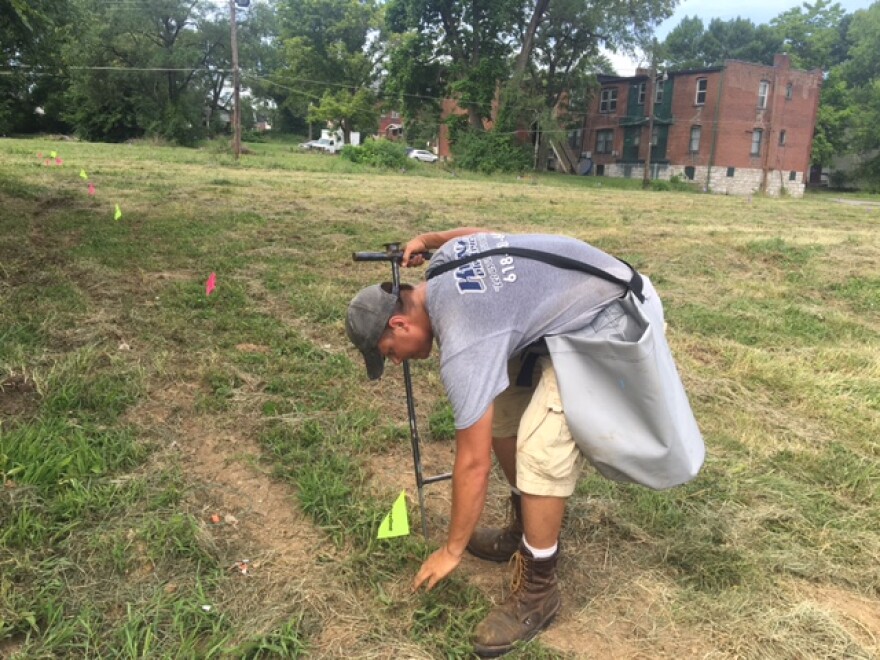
<point x="391" y="125"/>
<point x="738" y="128"/>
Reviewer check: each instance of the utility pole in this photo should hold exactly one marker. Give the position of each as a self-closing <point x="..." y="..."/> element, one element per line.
<point x="649" y="106"/>
<point x="236" y="85"/>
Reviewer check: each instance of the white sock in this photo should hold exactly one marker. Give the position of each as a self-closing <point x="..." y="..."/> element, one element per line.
<point x="541" y="554"/>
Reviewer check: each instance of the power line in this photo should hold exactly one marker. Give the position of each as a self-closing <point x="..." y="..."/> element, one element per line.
<point x="266" y="80"/>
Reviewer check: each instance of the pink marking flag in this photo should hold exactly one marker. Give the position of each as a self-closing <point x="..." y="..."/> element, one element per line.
<point x="58" y="161"/>
<point x="211" y="284"/>
<point x="91" y="189"/>
<point x="40" y="155"/>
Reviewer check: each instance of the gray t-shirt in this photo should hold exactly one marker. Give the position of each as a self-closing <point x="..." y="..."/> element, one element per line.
<point x="486" y="312"/>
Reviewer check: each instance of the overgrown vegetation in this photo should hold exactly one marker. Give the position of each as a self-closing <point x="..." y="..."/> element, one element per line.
<point x="134" y="408"/>
<point x="488" y="152"/>
<point x="377" y="153"/>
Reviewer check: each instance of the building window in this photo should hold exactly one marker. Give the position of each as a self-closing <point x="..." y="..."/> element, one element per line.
<point x="575" y="139"/>
<point x="694" y="144"/>
<point x="608" y="100"/>
<point x="641" y="94"/>
<point x="781" y="138"/>
<point x="792" y="176"/>
<point x="395" y="114"/>
<point x="655" y="135"/>
<point x="789" y="89"/>
<point x="702" y="86"/>
<point x="658" y="94"/>
<point x="690" y="172"/>
<point x="757" y="136"/>
<point x="731" y="171"/>
<point x="600" y="170"/>
<point x="763" y="93"/>
<point x="604" y="140"/>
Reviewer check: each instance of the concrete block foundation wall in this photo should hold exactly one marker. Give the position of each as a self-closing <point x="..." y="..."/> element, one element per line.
<point x="745" y="181"/>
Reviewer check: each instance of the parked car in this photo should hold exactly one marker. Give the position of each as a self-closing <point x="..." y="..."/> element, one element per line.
<point x="422" y="155"/>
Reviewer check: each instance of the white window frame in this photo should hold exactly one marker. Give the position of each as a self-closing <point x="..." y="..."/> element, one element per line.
<point x="757" y="139"/>
<point x="608" y="100"/>
<point x="641" y="94"/>
<point x="763" y="94"/>
<point x="694" y="142"/>
<point x="658" y="93"/>
<point x="789" y="91"/>
<point x="655" y="135"/>
<point x="604" y="138"/>
<point x="782" y="137"/>
<point x="702" y="91"/>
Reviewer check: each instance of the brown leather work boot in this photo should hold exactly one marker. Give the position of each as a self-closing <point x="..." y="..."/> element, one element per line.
<point x="530" y="608"/>
<point x="497" y="544"/>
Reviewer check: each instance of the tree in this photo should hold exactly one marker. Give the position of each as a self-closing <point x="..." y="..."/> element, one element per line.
<point x="691" y="45"/>
<point x="346" y="111"/>
<point x="328" y="45"/>
<point x="551" y="94"/>
<point x="811" y="33"/>
<point x="32" y="34"/>
<point x="473" y="38"/>
<point x="413" y="84"/>
<point x="148" y="69"/>
<point x="862" y="74"/>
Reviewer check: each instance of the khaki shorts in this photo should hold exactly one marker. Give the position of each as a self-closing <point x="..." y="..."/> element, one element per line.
<point x="548" y="461"/>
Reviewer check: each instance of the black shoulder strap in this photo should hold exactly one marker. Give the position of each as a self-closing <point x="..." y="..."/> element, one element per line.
<point x="634" y="284"/>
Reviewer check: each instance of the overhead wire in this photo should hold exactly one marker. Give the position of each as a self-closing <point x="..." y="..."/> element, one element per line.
<point x="614" y="117"/>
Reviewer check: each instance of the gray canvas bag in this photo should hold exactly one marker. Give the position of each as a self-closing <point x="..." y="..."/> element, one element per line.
<point x="624" y="401"/>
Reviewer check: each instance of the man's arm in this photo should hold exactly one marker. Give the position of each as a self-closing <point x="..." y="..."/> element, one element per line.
<point x="431" y="241"/>
<point x="470" y="480"/>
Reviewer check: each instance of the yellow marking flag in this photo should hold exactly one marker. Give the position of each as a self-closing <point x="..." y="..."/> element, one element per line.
<point x="118" y="214"/>
<point x="53" y="154"/>
<point x="83" y="175"/>
<point x="396" y="523"/>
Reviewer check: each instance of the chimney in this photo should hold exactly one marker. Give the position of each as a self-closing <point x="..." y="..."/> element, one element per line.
<point x="781" y="61"/>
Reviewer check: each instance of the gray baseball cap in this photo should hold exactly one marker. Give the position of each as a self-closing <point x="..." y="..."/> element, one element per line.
<point x="368" y="315"/>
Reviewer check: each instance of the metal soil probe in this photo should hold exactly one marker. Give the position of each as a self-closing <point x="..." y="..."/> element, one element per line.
<point x="394" y="255"/>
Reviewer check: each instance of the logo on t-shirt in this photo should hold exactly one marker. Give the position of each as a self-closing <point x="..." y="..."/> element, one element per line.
<point x="469" y="277"/>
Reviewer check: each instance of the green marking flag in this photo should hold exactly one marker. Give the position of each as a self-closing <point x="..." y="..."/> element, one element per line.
<point x="118" y="214"/>
<point x="396" y="523"/>
<point x="83" y="175"/>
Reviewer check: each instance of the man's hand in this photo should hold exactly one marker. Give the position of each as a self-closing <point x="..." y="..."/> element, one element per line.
<point x="436" y="567"/>
<point x="412" y="252"/>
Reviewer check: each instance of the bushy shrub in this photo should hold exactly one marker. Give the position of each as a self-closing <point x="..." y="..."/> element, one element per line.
<point x="488" y="152"/>
<point x="377" y="153"/>
<point x="677" y="183"/>
<point x="660" y="185"/>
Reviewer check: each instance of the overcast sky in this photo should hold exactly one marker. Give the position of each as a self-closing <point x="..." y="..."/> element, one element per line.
<point x="758" y="11"/>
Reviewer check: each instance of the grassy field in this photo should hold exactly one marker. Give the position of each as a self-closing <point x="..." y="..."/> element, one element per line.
<point x="155" y="441"/>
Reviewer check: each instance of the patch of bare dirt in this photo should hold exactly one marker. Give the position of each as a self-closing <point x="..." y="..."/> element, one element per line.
<point x="19" y="398"/>
<point x="858" y="615"/>
<point x="291" y="566"/>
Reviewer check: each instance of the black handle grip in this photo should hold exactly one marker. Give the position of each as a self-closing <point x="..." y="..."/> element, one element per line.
<point x="393" y="255"/>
